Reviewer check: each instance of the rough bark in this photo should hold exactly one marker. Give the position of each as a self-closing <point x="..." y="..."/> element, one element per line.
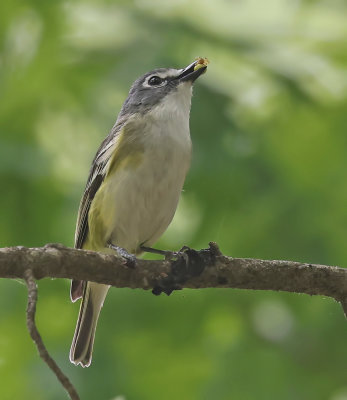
<point x="206" y="268"/>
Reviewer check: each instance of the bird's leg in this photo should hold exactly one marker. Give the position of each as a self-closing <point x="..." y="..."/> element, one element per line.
<point x="131" y="259"/>
<point x="169" y="255"/>
<point x="166" y="253"/>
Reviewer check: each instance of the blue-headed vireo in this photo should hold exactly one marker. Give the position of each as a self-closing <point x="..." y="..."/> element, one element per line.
<point x="134" y="183"/>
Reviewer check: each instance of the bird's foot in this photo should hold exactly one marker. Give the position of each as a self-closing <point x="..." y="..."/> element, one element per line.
<point x="130" y="258"/>
<point x="180" y="261"/>
<point x="180" y="255"/>
<point x="168" y="254"/>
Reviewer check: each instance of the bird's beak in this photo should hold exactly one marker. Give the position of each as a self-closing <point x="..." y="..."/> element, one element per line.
<point x="189" y="73"/>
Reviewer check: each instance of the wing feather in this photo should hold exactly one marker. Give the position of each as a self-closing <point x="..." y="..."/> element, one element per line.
<point x="96" y="176"/>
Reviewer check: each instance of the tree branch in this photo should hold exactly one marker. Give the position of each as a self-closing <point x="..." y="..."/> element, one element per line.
<point x="36" y="337"/>
<point x="207" y="268"/>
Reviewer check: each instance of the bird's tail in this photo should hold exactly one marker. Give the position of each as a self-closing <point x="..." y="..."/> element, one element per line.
<point x="83" y="340"/>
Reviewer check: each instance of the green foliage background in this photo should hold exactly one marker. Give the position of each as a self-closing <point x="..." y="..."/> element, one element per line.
<point x="268" y="180"/>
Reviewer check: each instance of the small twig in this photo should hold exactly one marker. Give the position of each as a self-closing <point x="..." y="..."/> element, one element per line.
<point x="35" y="335"/>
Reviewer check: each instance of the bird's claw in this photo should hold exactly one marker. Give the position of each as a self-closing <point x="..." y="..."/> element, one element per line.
<point x="130" y="258"/>
<point x="176" y="255"/>
<point x="130" y="261"/>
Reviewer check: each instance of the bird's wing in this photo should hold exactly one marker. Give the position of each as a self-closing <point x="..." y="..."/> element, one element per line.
<point x="96" y="176"/>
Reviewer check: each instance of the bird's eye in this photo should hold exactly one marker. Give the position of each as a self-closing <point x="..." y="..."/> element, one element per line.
<point x="155" y="81"/>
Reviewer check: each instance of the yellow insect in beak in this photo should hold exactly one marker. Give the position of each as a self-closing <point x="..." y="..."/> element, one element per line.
<point x="201" y="62"/>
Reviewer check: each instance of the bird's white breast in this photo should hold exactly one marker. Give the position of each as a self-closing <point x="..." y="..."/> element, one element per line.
<point x="140" y="201"/>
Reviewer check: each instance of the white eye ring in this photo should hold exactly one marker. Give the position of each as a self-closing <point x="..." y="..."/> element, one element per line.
<point x="154" y="81"/>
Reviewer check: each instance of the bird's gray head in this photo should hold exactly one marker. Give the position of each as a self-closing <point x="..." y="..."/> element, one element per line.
<point x="161" y="85"/>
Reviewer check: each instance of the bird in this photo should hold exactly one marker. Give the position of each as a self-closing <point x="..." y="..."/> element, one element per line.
<point x="134" y="184"/>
